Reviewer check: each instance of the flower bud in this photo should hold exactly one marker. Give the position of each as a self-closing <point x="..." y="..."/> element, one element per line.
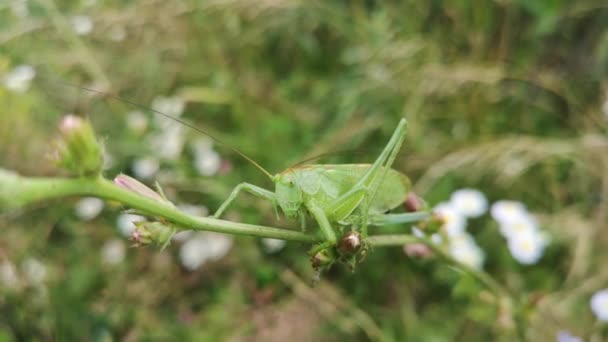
<point x="322" y="259"/>
<point x="78" y="150"/>
<point x="152" y="233"/>
<point x="350" y="243"/>
<point x="133" y="185"/>
<point x="417" y="250"/>
<point x="432" y="224"/>
<point x="413" y="203"/>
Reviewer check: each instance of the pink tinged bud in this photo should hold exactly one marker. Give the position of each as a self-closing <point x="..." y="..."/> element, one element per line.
<point x="78" y="149"/>
<point x="136" y="236"/>
<point x="133" y="185"/>
<point x="350" y="243"/>
<point x="153" y="233"/>
<point x="413" y="203"/>
<point x="70" y="123"/>
<point x="417" y="250"/>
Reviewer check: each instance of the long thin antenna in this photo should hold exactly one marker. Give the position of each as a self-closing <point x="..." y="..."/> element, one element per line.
<point x="200" y="130"/>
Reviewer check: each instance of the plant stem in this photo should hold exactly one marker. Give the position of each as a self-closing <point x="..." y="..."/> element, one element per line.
<point x="20" y="191"/>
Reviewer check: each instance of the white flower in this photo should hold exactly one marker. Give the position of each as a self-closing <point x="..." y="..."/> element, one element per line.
<point x="599" y="305"/>
<point x="82" y="24"/>
<point x="137" y="121"/>
<point x="125" y="224"/>
<point x="522" y="224"/>
<point x="273" y="245"/>
<point x="219" y="245"/>
<point x="182" y="236"/>
<point x="566" y="336"/>
<point x="527" y="246"/>
<point x="169" y="143"/>
<point x="35" y="272"/>
<point x="206" y="160"/>
<point x="454" y="222"/>
<point x="203" y="247"/>
<point x="208" y="163"/>
<point x="113" y="252"/>
<point x="88" y="208"/>
<point x="20" y="8"/>
<point x="8" y="275"/>
<point x="172" y="106"/>
<point x="145" y="168"/>
<point x="196" y="210"/>
<point x="435" y="238"/>
<point x="18" y="79"/>
<point x="506" y="211"/>
<point x="470" y="202"/>
<point x="464" y="249"/>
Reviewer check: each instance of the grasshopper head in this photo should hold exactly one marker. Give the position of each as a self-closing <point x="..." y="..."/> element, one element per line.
<point x="289" y="194"/>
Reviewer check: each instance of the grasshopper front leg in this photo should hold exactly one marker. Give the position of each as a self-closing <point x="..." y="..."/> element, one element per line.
<point x="250" y="188"/>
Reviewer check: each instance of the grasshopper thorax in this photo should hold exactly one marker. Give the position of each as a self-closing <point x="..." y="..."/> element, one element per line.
<point x="288" y="193"/>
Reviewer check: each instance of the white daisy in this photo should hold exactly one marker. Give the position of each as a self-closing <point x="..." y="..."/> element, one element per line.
<point x="145" y="168"/>
<point x="522" y="224"/>
<point x="207" y="163"/>
<point x="88" y="208"/>
<point x="113" y="252"/>
<point x="125" y="224"/>
<point x="435" y="237"/>
<point x="172" y="106"/>
<point x="527" y="246"/>
<point x="599" y="305"/>
<point x="566" y="336"/>
<point x="206" y="160"/>
<point x="137" y="121"/>
<point x="273" y="245"/>
<point x="35" y="271"/>
<point x="82" y="24"/>
<point x="470" y="202"/>
<point x="454" y="222"/>
<point x="18" y="79"/>
<point x="219" y="245"/>
<point x="506" y="210"/>
<point x="20" y="8"/>
<point x="464" y="249"/>
<point x="169" y="143"/>
<point x="203" y="247"/>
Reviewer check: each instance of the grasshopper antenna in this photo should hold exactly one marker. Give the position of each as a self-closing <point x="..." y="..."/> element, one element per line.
<point x="183" y="122"/>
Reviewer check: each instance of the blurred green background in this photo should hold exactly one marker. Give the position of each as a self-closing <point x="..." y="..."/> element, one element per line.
<point x="509" y="97"/>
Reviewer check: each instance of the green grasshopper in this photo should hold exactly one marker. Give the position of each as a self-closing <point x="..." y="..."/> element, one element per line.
<point x="336" y="196"/>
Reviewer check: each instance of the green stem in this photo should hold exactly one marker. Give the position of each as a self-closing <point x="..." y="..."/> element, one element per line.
<point x="16" y="191"/>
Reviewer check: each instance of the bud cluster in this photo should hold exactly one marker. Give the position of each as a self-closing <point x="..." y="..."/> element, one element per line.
<point x="78" y="150"/>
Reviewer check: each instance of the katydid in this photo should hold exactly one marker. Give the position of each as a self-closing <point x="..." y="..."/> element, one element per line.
<point x="335" y="196"/>
<point x="341" y="194"/>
